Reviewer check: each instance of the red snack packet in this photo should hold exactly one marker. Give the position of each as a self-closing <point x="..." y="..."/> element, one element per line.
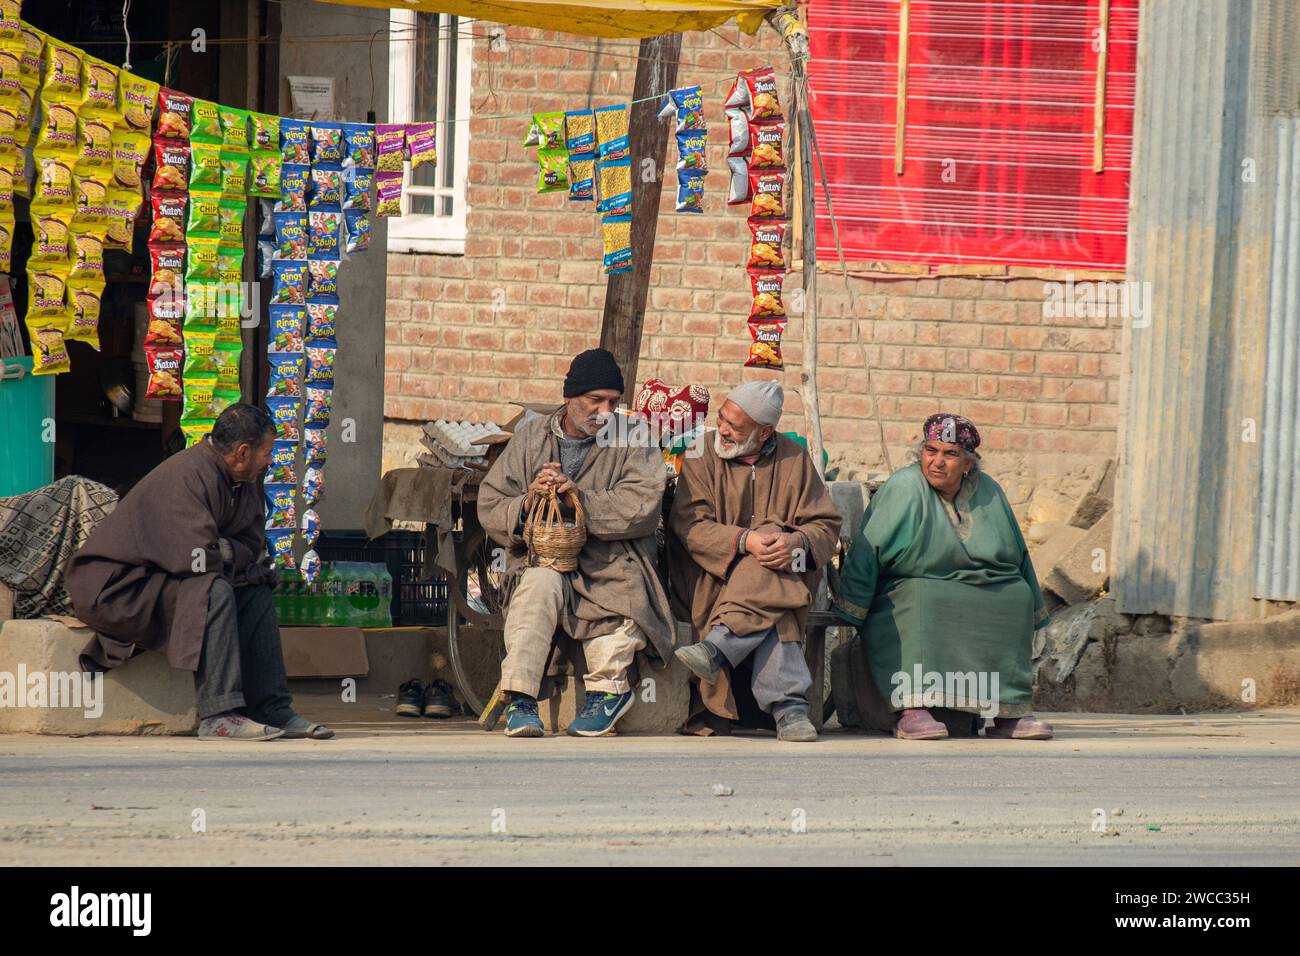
<point x="168" y="217"/>
<point x="167" y="275"/>
<point x="767" y="245"/>
<point x="165" y="364"/>
<point x="767" y="187"/>
<point x="174" y="113"/>
<point x="767" y="304"/>
<point x="765" y="352"/>
<point x="171" y="166"/>
<point x="766" y="143"/>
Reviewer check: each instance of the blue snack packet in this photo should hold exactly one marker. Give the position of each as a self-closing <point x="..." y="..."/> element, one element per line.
<point x="286" y="375"/>
<point x="289" y="281"/>
<point x="283" y="470"/>
<point x="580" y="131"/>
<point x="690" y="191"/>
<point x="357" y="187"/>
<point x="320" y="363"/>
<point x="324" y="229"/>
<point x="287" y="325"/>
<point x="280" y="513"/>
<point x="322" y="318"/>
<point x="310" y="527"/>
<point x="290" y="234"/>
<point x="294" y="183"/>
<point x="319" y="398"/>
<point x="313" y="485"/>
<point x="359" y="145"/>
<point x="691" y="148"/>
<point x="295" y="144"/>
<point x="279" y="545"/>
<point x="688" y="106"/>
<point x="327" y="143"/>
<point x="284" y="411"/>
<point x="314" y="440"/>
<point x="358" y="226"/>
<point x="310" y="566"/>
<point x="322" y="279"/>
<point x="326" y="187"/>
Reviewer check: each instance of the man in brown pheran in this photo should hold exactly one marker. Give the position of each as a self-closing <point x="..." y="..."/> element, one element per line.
<point x="752" y="528"/>
<point x="180" y="566"/>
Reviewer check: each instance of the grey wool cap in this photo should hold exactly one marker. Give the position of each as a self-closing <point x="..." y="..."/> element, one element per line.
<point x="762" y="401"/>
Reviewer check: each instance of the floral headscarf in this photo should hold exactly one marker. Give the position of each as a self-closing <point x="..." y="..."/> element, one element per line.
<point x="947" y="427"/>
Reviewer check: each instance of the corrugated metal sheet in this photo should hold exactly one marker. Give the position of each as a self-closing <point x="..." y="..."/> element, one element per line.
<point x="1278" y="568"/>
<point x="1200" y="235"/>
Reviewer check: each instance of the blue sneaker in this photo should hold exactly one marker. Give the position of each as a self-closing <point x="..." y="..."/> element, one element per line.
<point x="600" y="713"/>
<point x="522" y="719"/>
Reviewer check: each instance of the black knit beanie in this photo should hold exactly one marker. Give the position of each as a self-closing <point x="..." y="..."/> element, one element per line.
<point x="591" y="370"/>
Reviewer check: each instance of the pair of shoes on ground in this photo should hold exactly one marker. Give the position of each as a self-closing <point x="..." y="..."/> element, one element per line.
<point x="600" y="712"/>
<point x="235" y="726"/>
<point x="704" y="661"/>
<point x="418" y="699"/>
<point x="917" y="723"/>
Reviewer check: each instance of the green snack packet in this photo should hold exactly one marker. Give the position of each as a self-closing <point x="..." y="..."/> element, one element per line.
<point x="266" y="131"/>
<point x="230" y="265"/>
<point x="206" y="398"/>
<point x="205" y="216"/>
<point x="234" y="126"/>
<point x="205" y="123"/>
<point x="196" y="430"/>
<point x="207" y="355"/>
<point x="201" y="261"/>
<point x="234" y="173"/>
<point x="205" y="167"/>
<point x="232" y="221"/>
<point x="552" y="170"/>
<point x="264" y="173"/>
<point x="546" y="131"/>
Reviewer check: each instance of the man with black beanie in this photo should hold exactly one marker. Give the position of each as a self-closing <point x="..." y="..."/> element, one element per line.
<point x="613" y="604"/>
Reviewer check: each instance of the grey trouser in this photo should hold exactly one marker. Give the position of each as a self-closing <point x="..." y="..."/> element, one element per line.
<point x="241" y="667"/>
<point x="781" y="679"/>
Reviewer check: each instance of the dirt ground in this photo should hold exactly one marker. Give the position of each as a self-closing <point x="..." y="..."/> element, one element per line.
<point x="1194" y="790"/>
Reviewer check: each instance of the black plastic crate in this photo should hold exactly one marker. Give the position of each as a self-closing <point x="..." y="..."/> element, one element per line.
<point x="416" y="601"/>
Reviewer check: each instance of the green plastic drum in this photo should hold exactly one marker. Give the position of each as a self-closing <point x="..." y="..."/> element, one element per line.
<point x="26" y="422"/>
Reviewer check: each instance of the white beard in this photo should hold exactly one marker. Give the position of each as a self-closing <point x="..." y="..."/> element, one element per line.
<point x="745" y="448"/>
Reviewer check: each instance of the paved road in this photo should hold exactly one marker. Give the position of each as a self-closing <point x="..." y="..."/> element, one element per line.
<point x="1221" y="789"/>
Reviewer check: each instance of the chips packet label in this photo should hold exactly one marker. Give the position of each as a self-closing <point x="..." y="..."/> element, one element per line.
<point x="284" y="413"/>
<point x="234" y="173"/>
<point x="765" y="352"/>
<point x="195" y="430"/>
<point x="766" y="290"/>
<point x="201" y="260"/>
<point x="205" y="398"/>
<point x="611" y="132"/>
<point x="580" y="132"/>
<point x="327" y="142"/>
<point x="357" y="223"/>
<point x="205" y="216"/>
<point x="234" y="127"/>
<point x="766" y="142"/>
<point x="286" y="375"/>
<point x="231" y="213"/>
<point x="690" y="191"/>
<point x="284" y="457"/>
<point x="205" y="167"/>
<point x="286" y="329"/>
<point x="359" y="145"/>
<point x="295" y="142"/>
<point x="205" y="121"/>
<point x="390" y="147"/>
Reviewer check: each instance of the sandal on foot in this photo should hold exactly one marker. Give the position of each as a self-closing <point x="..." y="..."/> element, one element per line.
<point x="300" y="728"/>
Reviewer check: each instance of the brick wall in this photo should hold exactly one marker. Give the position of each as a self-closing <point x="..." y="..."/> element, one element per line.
<point x="468" y="334"/>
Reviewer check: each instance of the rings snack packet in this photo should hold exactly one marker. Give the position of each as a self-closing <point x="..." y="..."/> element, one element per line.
<point x="266" y="131"/>
<point x="552" y="170"/>
<point x="388" y="194"/>
<point x="691" y="148"/>
<point x="768" y="190"/>
<point x="323" y="234"/>
<point x="139" y="96"/>
<point x="293" y="188"/>
<point x="286" y="375"/>
<point x="546" y="131"/>
<point x="234" y="126"/>
<point x="765" y="352"/>
<point x="580" y="132"/>
<point x="310" y="526"/>
<point x="205" y="122"/>
<point x="286" y="329"/>
<point x="421" y="144"/>
<point x="284" y="413"/>
<point x="175" y="111"/>
<point x="320" y="364"/>
<point x="313" y="480"/>
<point x="313" y="437"/>
<point x="171" y="166"/>
<point x="687" y="105"/>
<point x="356" y="189"/>
<point x="766" y="149"/>
<point x="616" y="232"/>
<point x="766" y="289"/>
<point x="284" y="455"/>
<point x="279" y="546"/>
<point x="290" y="235"/>
<point x="611" y="132"/>
<point x="295" y="142"/>
<point x="280" y="514"/>
<point x="582" y="178"/>
<point x="690" y="191"/>
<point x="322" y="278"/>
<point x="289" y="278"/>
<point x="326" y="188"/>
<point x="767" y="245"/>
<point x="327" y="142"/>
<point x="165" y="374"/>
<point x="319" y="398"/>
<point x="357" y="222"/>
<point x="359" y="145"/>
<point x="390" y="147"/>
<point x="322" y="320"/>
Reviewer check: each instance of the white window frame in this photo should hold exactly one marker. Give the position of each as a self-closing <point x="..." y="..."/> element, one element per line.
<point x="425" y="232"/>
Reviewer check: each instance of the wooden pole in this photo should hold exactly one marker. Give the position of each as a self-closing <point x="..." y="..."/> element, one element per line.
<point x="1099" y="98"/>
<point x="900" y="111"/>
<point x="808" y="239"/>
<point x="626" y="292"/>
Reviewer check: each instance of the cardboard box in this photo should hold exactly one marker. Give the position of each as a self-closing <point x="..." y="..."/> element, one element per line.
<point x="324" y="651"/>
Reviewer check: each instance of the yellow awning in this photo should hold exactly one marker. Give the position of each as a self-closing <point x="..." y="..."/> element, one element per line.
<point x="598" y="18"/>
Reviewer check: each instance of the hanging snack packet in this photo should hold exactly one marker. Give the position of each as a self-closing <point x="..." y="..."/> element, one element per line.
<point x="205" y="167"/>
<point x="739" y="191"/>
<point x="617" y="234"/>
<point x="687" y="105"/>
<point x="314" y="456"/>
<point x="231" y="212"/>
<point x="91" y="194"/>
<point x="358" y="229"/>
<point x="266" y="131"/>
<point x="230" y="266"/>
<point x="323" y="234"/>
<point x="175" y="111"/>
<point x="359" y="145"/>
<point x="86" y="257"/>
<point x="766" y="141"/>
<point x="280" y="513"/>
<point x="767" y="246"/>
<point x="284" y="412"/>
<point x="580" y="132"/>
<point x="205" y="216"/>
<point x="53" y="178"/>
<point x="295" y="142"/>
<point x="421" y="144"/>
<point x="552" y="170"/>
<point x="766" y="349"/>
<point x="390" y="148"/>
<point x="58" y="128"/>
<point x="321" y="320"/>
<point x="201" y="260"/>
<point x="264" y="173"/>
<point x="293" y="188"/>
<point x="234" y="126"/>
<point x="204" y="398"/>
<point x="172" y="161"/>
<point x="284" y="456"/>
<point x="84" y="299"/>
<point x="279" y="546"/>
<point x="6" y="239"/>
<point x="690" y="191"/>
<point x="130" y="150"/>
<point x="98" y="86"/>
<point x="388" y="194"/>
<point x="164" y="372"/>
<point x="47" y="286"/>
<point x="327" y="140"/>
<point x="322" y="278"/>
<point x="62" y="72"/>
<point x="286" y="375"/>
<point x="310" y="526"/>
<point x="49" y="352"/>
<point x="195" y="430"/>
<point x="356" y="188"/>
<point x="94" y="142"/>
<point x="615" y="187"/>
<point x="318" y="401"/>
<point x="611" y="132"/>
<point x="138" y="99"/>
<point x="207" y="355"/>
<point x="320" y="364"/>
<point x="691" y="150"/>
<point x="546" y="131"/>
<point x="766" y="289"/>
<point x="738" y="124"/>
<point x="168" y="261"/>
<point x="755" y="92"/>
<point x="291" y="235"/>
<point x="205" y="122"/>
<point x="289" y="277"/>
<point x="50" y="234"/>
<point x="582" y="178"/>
<point x="286" y="330"/>
<point x="326" y="188"/>
<point x="234" y="173"/>
<point x="311" y="565"/>
<point x="768" y="190"/>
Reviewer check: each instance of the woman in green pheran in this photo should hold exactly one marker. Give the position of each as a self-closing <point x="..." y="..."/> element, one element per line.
<point x="943" y="594"/>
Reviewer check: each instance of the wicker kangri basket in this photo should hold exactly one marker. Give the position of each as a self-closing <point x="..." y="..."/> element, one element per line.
<point x="550" y="543"/>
